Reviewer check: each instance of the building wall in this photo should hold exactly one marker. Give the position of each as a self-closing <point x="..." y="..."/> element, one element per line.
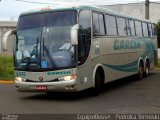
<point x="154" y="12"/>
<point x="138" y="10"/>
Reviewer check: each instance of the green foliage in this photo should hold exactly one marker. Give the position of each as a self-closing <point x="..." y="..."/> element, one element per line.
<point x="158" y="33"/>
<point x="158" y="65"/>
<point x="6" y="68"/>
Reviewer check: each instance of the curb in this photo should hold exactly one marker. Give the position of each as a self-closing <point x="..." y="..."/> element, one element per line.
<point x="157" y="68"/>
<point x="6" y="82"/>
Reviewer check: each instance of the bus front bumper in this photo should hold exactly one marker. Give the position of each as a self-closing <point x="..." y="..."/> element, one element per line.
<point x="61" y="86"/>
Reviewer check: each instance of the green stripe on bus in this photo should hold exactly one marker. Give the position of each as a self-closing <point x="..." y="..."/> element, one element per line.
<point x="132" y="67"/>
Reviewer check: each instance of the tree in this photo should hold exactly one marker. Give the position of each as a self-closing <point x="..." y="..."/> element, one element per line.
<point x="158" y="33"/>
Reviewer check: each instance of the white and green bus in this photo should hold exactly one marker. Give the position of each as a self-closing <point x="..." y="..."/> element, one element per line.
<point x="72" y="49"/>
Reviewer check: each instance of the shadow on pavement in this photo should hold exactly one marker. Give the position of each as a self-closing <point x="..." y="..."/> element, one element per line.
<point x="86" y="94"/>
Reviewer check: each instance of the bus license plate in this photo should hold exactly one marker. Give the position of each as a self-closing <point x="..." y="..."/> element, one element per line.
<point x="41" y="87"/>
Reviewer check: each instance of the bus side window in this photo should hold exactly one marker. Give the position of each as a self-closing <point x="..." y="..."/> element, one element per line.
<point x="111" y="27"/>
<point x="84" y="37"/>
<point x="122" y="29"/>
<point x="98" y="24"/>
<point x="150" y="30"/>
<point x="132" y="27"/>
<point x="138" y="27"/>
<point x="154" y="30"/>
<point x="128" y="28"/>
<point x="145" y="29"/>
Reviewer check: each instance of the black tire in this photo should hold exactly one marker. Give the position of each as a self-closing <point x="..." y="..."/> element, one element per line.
<point x="146" y="71"/>
<point x="140" y="71"/>
<point x="98" y="84"/>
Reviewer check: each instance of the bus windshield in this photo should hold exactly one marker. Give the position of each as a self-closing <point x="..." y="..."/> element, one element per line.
<point x="44" y="41"/>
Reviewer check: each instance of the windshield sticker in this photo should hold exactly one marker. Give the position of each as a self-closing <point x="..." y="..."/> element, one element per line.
<point x="44" y="64"/>
<point x="19" y="55"/>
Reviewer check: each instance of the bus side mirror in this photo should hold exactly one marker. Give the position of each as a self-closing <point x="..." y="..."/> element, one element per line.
<point x="74" y="35"/>
<point x="14" y="32"/>
<point x="5" y="38"/>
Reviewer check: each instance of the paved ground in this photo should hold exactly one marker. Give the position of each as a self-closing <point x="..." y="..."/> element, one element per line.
<point x="122" y="96"/>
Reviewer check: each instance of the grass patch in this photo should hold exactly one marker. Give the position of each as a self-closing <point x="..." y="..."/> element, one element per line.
<point x="6" y="68"/>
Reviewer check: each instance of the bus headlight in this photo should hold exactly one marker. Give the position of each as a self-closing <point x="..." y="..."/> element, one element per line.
<point x="67" y="78"/>
<point x="20" y="79"/>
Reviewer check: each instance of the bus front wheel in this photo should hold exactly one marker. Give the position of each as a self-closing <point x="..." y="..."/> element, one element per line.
<point x="98" y="83"/>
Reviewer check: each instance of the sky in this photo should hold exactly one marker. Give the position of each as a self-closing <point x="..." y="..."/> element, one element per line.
<point x="11" y="9"/>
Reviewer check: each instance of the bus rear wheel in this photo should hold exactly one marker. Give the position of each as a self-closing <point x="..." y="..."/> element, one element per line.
<point x="146" y="71"/>
<point x="140" y="71"/>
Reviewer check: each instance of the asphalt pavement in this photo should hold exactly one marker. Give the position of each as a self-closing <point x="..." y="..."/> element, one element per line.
<point x="122" y="96"/>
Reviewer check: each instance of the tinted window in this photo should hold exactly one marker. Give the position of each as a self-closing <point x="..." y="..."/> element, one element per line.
<point x="145" y="29"/>
<point x="154" y="30"/>
<point x="131" y="27"/>
<point x="67" y="18"/>
<point x="85" y="22"/>
<point x="110" y="25"/>
<point x="98" y="24"/>
<point x="30" y="22"/>
<point x="150" y="30"/>
<point x="128" y="28"/>
<point x="56" y="39"/>
<point x="85" y="19"/>
<point x="138" y="27"/>
<point x="84" y="38"/>
<point x="122" y="28"/>
<point x="95" y="24"/>
<point x="101" y="24"/>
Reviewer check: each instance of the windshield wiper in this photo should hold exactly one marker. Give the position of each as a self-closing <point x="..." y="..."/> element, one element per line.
<point x="48" y="55"/>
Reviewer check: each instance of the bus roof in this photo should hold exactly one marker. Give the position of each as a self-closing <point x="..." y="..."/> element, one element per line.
<point x="95" y="8"/>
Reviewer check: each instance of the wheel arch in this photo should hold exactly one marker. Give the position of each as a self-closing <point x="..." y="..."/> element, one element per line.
<point x="98" y="67"/>
<point x="140" y="61"/>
